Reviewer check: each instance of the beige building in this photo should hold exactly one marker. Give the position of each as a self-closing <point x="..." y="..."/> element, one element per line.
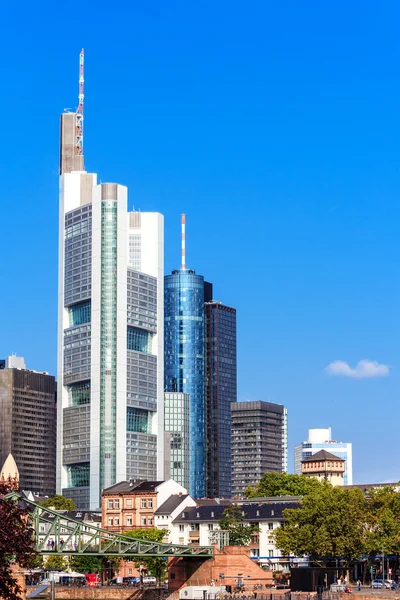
<point x="324" y="466"/>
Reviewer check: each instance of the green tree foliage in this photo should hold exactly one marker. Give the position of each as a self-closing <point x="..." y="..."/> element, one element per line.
<point x="16" y="544"/>
<point x="86" y="564"/>
<point x="55" y="563"/>
<point x="383" y="517"/>
<point x="157" y="567"/>
<point x="330" y="523"/>
<point x="232" y="521"/>
<point x="59" y="503"/>
<point x="283" y="484"/>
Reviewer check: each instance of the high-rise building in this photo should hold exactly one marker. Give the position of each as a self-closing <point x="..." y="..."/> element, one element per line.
<point x="259" y="442"/>
<point x="184" y="357"/>
<point x="110" y="331"/>
<point x="177" y="425"/>
<point x="220" y="391"/>
<point x="321" y="439"/>
<point x="28" y="424"/>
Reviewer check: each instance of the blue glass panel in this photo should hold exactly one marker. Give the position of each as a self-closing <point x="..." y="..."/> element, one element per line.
<point x="78" y="475"/>
<point x="79" y="313"/>
<point x="139" y="340"/>
<point x="137" y="420"/>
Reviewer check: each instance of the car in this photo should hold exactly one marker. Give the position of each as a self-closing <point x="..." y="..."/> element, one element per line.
<point x="149" y="580"/>
<point x="378" y="584"/>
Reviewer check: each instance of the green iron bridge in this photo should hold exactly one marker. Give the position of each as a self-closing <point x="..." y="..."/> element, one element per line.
<point x="58" y="534"/>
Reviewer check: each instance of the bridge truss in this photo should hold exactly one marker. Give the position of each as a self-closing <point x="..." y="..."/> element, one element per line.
<point x="72" y="537"/>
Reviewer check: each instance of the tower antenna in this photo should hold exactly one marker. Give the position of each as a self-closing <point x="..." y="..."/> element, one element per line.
<point x="183" y="224"/>
<point x="79" y="110"/>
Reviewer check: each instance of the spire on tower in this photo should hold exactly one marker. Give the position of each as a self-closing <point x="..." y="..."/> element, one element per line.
<point x="79" y="110"/>
<point x="183" y="225"/>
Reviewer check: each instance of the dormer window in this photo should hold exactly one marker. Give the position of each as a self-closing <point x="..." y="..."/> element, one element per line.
<point x="272" y="513"/>
<point x="258" y="513"/>
<point x="212" y="513"/>
<point x="198" y="515"/>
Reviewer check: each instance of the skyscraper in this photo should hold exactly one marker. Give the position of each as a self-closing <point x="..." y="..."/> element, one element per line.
<point x="321" y="439"/>
<point x="184" y="356"/>
<point x="220" y="391"/>
<point x="110" y="330"/>
<point x="177" y="426"/>
<point x="259" y="442"/>
<point x="28" y="424"/>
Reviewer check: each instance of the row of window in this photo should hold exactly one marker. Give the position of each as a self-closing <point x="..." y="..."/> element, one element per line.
<point x="116" y="503"/>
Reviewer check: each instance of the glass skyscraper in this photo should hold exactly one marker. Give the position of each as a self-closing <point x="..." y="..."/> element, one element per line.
<point x="184" y="359"/>
<point x="221" y="390"/>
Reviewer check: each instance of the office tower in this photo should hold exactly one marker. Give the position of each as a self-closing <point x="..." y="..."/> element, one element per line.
<point x="321" y="439"/>
<point x="28" y="425"/>
<point x="184" y="363"/>
<point x="221" y="391"/>
<point x="177" y="425"/>
<point x="259" y="442"/>
<point x="110" y="331"/>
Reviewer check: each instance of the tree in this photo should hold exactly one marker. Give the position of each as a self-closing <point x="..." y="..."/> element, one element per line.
<point x="157" y="567"/>
<point x="16" y="544"/>
<point x="86" y="564"/>
<point x="232" y="521"/>
<point x="56" y="563"/>
<point x="383" y="516"/>
<point x="329" y="524"/>
<point x="283" y="484"/>
<point x="59" y="503"/>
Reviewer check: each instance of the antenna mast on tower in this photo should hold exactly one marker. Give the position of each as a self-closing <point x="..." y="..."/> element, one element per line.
<point x="79" y="110"/>
<point x="183" y="226"/>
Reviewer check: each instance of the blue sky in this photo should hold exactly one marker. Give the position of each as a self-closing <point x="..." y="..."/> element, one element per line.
<point x="275" y="127"/>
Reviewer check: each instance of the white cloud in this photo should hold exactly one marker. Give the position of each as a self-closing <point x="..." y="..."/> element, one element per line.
<point x="363" y="369"/>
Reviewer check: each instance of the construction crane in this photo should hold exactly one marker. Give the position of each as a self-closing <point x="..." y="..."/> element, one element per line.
<point x="79" y="110"/>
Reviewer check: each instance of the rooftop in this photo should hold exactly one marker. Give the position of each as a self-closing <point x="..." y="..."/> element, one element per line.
<point x="251" y="512"/>
<point x="170" y="504"/>
<point x="124" y="487"/>
<point x="322" y="455"/>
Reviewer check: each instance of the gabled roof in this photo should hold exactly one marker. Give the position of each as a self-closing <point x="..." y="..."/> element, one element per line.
<point x="124" y="487"/>
<point x="252" y="512"/>
<point x="170" y="504"/>
<point x="322" y="455"/>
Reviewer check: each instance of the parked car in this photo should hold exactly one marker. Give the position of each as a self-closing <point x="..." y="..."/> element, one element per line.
<point x="378" y="584"/>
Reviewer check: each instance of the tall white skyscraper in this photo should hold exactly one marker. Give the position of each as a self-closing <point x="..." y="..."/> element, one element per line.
<point x="321" y="439"/>
<point x="110" y="331"/>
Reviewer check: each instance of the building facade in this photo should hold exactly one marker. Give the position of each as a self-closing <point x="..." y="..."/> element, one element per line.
<point x="324" y="466"/>
<point x="220" y="392"/>
<point x="184" y="359"/>
<point x="177" y="425"/>
<point x="28" y="425"/>
<point x="259" y="442"/>
<point x="321" y="439"/>
<point x="199" y="525"/>
<point x="131" y="504"/>
<point x="110" y="333"/>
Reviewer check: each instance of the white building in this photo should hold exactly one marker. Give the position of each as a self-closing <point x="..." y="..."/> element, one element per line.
<point x="110" y="333"/>
<point x="321" y="439"/>
<point x="191" y="523"/>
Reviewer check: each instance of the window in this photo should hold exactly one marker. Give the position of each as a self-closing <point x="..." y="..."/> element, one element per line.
<point x="129" y="571"/>
<point x="270" y="552"/>
<point x="137" y="420"/>
<point x="129" y="503"/>
<point x="150" y="503"/>
<point x="181" y="528"/>
<point x="79" y="313"/>
<point x="143" y="503"/>
<point x="116" y="521"/>
<point x="254" y="552"/>
<point x="129" y="520"/>
<point x="194" y="527"/>
<point x="116" y="503"/>
<point x="111" y="504"/>
<point x="270" y="526"/>
<point x="144" y="521"/>
<point x="139" y="340"/>
<point x="211" y="527"/>
<point x="272" y="513"/>
<point x="150" y="521"/>
<point x="110" y="521"/>
<point x="212" y="513"/>
<point x="181" y="541"/>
